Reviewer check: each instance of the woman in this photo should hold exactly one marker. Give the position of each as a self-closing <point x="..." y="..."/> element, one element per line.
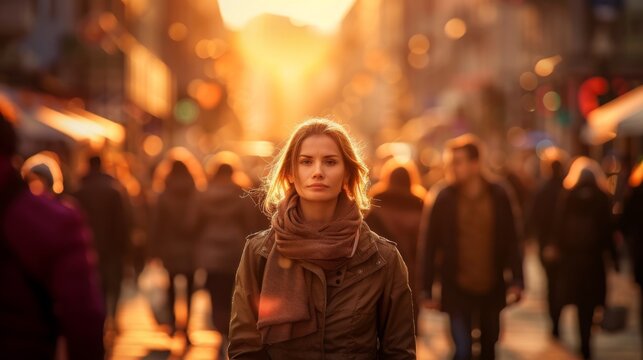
<point x="582" y="236"/>
<point x="172" y="236"/>
<point x="319" y="284"/>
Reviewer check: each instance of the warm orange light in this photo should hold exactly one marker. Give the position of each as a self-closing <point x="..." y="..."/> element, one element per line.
<point x="418" y="61"/>
<point x="455" y="28"/>
<point x="76" y="129"/>
<point x="605" y="119"/>
<point x="578" y="166"/>
<point x="8" y="109"/>
<point x="202" y="48"/>
<point x="637" y="176"/>
<point x="324" y="15"/>
<point x="177" y="31"/>
<point x="419" y="44"/>
<point x="152" y="145"/>
<point x="545" y="67"/>
<point x="149" y="79"/>
<point x="51" y="161"/>
<point x="107" y="21"/>
<point x="208" y="95"/>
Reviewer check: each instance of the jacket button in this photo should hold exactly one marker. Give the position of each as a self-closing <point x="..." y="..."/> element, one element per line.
<point x="360" y="271"/>
<point x="337" y="281"/>
<point x="379" y="262"/>
<point x="339" y="273"/>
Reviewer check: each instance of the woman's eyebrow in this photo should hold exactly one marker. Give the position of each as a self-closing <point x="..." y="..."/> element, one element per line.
<point x="325" y="156"/>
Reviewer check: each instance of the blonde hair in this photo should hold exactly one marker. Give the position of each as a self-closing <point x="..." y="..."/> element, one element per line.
<point x="276" y="184"/>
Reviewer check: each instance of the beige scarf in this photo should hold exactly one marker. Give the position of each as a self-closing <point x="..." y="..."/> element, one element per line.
<point x="286" y="309"/>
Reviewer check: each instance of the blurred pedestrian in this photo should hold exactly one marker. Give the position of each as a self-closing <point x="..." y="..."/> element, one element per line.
<point x="541" y="226"/>
<point x="632" y="226"/>
<point x="471" y="224"/>
<point x="172" y="236"/>
<point x="47" y="272"/>
<point x="319" y="283"/>
<point x="225" y="216"/>
<point x="104" y="202"/>
<point x="397" y="211"/>
<point x="40" y="180"/>
<point x="583" y="234"/>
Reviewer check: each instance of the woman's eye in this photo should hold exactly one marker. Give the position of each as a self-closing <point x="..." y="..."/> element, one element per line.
<point x="305" y="162"/>
<point x="331" y="162"/>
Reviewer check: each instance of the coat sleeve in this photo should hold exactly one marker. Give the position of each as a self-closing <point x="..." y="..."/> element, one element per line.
<point x="396" y="328"/>
<point x="244" y="338"/>
<point x="512" y="240"/>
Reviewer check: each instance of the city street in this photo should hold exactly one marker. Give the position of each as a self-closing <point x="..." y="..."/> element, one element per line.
<point x="525" y="336"/>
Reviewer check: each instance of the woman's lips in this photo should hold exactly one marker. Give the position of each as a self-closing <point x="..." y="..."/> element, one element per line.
<point x="318" y="187"/>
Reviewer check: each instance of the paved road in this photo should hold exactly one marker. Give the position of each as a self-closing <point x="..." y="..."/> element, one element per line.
<point x="525" y="334"/>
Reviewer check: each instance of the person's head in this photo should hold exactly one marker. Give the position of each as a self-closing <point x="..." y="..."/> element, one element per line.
<point x="319" y="161"/>
<point x="95" y="163"/>
<point x="179" y="178"/>
<point x="224" y="172"/>
<point x="557" y="170"/>
<point x="585" y="171"/>
<point x="40" y="179"/>
<point x="399" y="175"/>
<point x="179" y="169"/>
<point x="227" y="167"/>
<point x="462" y="158"/>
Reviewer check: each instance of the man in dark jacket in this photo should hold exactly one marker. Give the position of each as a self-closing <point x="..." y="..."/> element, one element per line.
<point x="541" y="226"/>
<point x="471" y="224"/>
<point x="106" y="206"/>
<point x="47" y="272"/>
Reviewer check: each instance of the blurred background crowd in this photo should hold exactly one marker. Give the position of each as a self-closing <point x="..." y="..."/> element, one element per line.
<point x="154" y="118"/>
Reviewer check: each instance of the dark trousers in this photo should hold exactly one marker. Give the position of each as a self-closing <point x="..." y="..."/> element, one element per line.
<point x="221" y="286"/>
<point x="585" y="322"/>
<point x="111" y="276"/>
<point x="171" y="297"/>
<point x="487" y="316"/>
<point x="553" y="303"/>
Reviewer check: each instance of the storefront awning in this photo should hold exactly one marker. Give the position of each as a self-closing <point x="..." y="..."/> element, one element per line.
<point x="41" y="116"/>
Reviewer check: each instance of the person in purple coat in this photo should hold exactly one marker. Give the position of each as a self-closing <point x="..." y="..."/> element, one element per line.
<point x="47" y="272"/>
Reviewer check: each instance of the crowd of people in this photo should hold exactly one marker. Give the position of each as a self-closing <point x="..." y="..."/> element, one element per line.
<point x="458" y="248"/>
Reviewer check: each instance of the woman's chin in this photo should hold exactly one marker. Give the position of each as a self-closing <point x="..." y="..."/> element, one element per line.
<point x="319" y="196"/>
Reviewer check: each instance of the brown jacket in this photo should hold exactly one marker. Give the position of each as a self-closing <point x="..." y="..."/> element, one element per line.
<point x="369" y="304"/>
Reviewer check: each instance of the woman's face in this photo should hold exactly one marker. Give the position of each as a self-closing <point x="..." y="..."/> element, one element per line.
<point x="320" y="172"/>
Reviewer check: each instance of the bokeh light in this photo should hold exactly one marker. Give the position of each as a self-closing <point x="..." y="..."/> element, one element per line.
<point x="186" y="111"/>
<point x="545" y="67"/>
<point x="177" y="31"/>
<point x="551" y="101"/>
<point x="455" y="28"/>
<point x="419" y="44"/>
<point x="528" y="81"/>
<point x="152" y="145"/>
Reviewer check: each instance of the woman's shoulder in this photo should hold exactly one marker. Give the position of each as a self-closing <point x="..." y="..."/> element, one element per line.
<point x="386" y="247"/>
<point x="258" y="241"/>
